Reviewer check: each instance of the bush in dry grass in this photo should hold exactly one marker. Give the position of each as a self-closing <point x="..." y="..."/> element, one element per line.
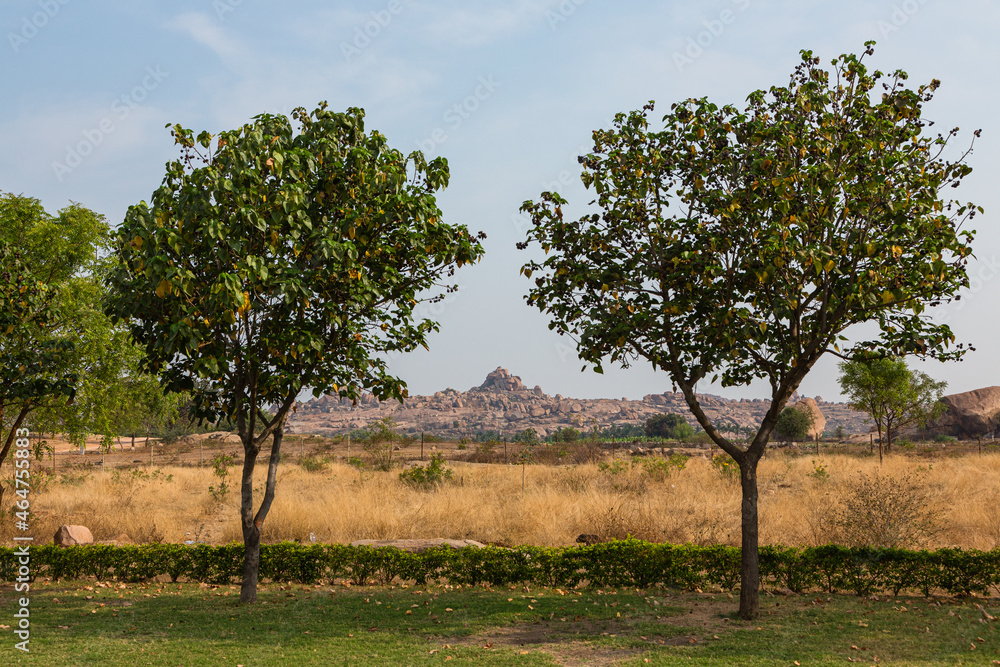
<point x="313" y="463"/>
<point x="379" y="443"/>
<point x="428" y="477"/>
<point x="884" y="511"/>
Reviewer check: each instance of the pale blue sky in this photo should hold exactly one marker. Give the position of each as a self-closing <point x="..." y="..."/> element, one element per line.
<point x="89" y="85"/>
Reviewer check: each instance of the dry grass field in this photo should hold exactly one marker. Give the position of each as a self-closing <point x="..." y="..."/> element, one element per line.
<point x="801" y="497"/>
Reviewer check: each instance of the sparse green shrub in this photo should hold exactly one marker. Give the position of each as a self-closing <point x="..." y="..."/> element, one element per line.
<point x="726" y="466"/>
<point x="941" y="437"/>
<point x="659" y="469"/>
<point x="616" y="467"/>
<point x="528" y="436"/>
<point x="379" y="443"/>
<point x="313" y="463"/>
<point x="430" y="476"/>
<point x="220" y="468"/>
<point x="819" y="472"/>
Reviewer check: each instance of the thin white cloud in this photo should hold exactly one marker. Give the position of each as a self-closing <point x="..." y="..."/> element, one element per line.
<point x="206" y="31"/>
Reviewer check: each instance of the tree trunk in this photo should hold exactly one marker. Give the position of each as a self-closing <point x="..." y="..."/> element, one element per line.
<point x="749" y="560"/>
<point x="252" y="523"/>
<point x="251" y="564"/>
<point x="251" y="533"/>
<point x="12" y="433"/>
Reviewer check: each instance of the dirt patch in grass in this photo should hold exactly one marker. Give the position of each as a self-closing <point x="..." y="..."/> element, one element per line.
<point x="571" y="641"/>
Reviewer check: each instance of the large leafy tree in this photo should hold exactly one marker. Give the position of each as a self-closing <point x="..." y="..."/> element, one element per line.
<point x="83" y="374"/>
<point x="892" y="394"/>
<point x="33" y="363"/>
<point x="47" y="284"/>
<point x="275" y="258"/>
<point x="741" y="244"/>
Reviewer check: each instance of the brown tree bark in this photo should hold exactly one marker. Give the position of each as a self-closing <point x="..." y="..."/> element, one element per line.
<point x="749" y="559"/>
<point x="253" y="522"/>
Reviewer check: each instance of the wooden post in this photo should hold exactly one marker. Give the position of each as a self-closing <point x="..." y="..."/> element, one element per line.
<point x="421" y="445"/>
<point x="348" y="445"/>
<point x="201" y="453"/>
<point x="151" y="445"/>
<point x="505" y="451"/>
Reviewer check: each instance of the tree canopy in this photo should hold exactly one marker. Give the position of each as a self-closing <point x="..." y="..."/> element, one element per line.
<point x="737" y="245"/>
<point x="273" y="259"/>
<point x="892" y="394"/>
<point x="61" y="357"/>
<point x="793" y="423"/>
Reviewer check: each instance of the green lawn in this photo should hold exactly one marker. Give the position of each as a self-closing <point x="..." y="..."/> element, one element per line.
<point x="85" y="623"/>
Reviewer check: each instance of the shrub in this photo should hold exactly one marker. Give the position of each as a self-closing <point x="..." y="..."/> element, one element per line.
<point x="427" y="477"/>
<point x="527" y="437"/>
<point x="668" y="426"/>
<point x="566" y="434"/>
<point x="379" y="443"/>
<point x="887" y="512"/>
<point x="726" y="466"/>
<point x="220" y="468"/>
<point x="313" y="463"/>
<point x="659" y="469"/>
<point x="793" y="424"/>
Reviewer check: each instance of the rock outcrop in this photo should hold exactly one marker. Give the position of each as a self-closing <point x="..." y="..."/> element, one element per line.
<point x="501" y="380"/>
<point x="969" y="414"/>
<point x="811" y="407"/>
<point x="503" y="404"/>
<point x="71" y="535"/>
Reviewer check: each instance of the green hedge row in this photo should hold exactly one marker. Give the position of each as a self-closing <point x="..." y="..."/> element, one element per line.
<point x="631" y="563"/>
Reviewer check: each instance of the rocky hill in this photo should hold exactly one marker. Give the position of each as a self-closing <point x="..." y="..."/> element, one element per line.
<point x="502" y="403"/>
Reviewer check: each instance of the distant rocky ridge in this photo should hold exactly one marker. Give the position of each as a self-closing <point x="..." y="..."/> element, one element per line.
<point x="502" y="403"/>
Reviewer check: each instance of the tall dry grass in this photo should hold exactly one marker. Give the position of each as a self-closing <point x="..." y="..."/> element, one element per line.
<point x="798" y="498"/>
